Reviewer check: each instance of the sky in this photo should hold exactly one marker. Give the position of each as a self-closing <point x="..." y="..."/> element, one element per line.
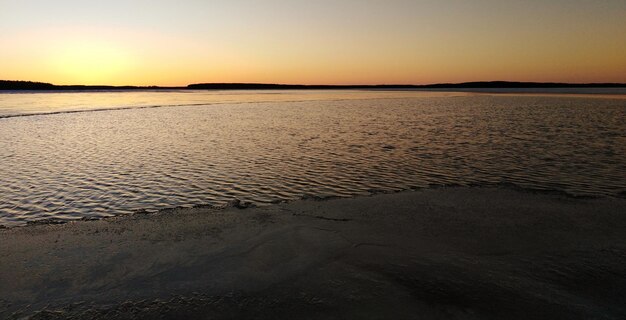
<point x="178" y="42"/>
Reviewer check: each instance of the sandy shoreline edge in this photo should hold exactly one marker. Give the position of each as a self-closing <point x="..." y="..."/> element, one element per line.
<point x="451" y="253"/>
<point x="239" y="204"/>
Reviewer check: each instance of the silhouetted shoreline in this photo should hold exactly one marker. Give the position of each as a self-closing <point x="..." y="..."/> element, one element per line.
<point x="42" y="86"/>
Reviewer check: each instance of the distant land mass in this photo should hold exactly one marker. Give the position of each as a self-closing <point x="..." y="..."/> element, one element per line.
<point x="42" y="86"/>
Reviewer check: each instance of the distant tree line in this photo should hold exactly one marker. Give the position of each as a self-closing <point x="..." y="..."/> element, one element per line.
<point x="25" y="85"/>
<point x="30" y="85"/>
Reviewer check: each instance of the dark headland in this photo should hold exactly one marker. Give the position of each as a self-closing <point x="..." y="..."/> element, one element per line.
<point x="42" y="86"/>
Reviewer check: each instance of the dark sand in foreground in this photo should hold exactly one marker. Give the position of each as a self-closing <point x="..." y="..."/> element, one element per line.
<point x="443" y="253"/>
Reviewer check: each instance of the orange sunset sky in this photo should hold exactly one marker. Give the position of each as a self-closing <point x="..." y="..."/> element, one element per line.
<point x="162" y="42"/>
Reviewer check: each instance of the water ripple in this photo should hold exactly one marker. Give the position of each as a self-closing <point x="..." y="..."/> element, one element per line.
<point x="92" y="165"/>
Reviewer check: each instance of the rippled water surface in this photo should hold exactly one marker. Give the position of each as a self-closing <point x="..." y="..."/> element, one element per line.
<point x="17" y="104"/>
<point x="203" y="148"/>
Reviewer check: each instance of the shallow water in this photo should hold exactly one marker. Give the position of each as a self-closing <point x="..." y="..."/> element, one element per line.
<point x="212" y="147"/>
<point x="18" y="103"/>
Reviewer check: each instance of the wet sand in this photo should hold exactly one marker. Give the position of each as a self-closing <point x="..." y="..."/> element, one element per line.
<point x="466" y="253"/>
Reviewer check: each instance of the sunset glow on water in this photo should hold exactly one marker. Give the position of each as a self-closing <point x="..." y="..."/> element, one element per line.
<point x="168" y="149"/>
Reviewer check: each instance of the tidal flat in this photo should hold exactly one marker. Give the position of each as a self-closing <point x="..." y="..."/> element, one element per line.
<point x="458" y="253"/>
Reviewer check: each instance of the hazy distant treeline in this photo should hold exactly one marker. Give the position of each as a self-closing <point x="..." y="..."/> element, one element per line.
<point x="30" y="85"/>
<point x="25" y="85"/>
<point x="464" y="85"/>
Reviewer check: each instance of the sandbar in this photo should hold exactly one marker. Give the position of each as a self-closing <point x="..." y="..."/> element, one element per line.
<point x="451" y="253"/>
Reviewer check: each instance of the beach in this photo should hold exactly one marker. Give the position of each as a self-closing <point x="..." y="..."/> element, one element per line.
<point x="312" y="160"/>
<point x="459" y="253"/>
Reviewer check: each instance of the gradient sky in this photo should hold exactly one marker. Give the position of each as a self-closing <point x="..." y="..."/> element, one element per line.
<point x="165" y="42"/>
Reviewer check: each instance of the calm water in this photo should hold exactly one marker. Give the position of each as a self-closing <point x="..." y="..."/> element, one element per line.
<point x="211" y="147"/>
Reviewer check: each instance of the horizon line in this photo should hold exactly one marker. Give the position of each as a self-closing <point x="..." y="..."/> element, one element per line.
<point x="36" y="85"/>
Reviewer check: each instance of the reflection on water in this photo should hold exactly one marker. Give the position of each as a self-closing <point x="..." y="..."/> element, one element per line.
<point x="96" y="164"/>
<point x="20" y="104"/>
